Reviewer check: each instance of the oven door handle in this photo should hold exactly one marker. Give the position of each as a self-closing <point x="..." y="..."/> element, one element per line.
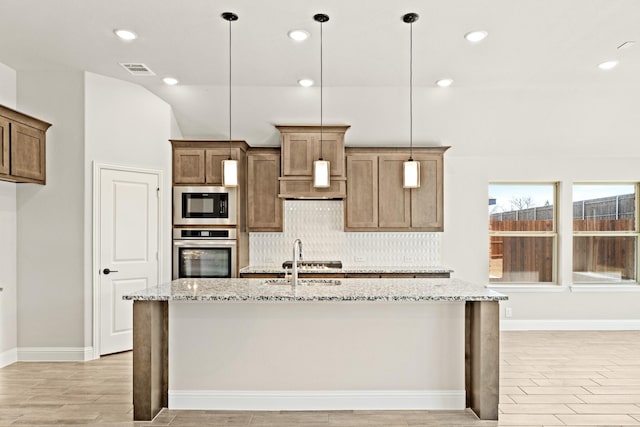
<point x="195" y="243"/>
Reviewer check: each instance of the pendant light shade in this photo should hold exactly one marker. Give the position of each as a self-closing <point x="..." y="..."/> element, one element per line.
<point x="321" y="167"/>
<point x="230" y="173"/>
<point x="321" y="174"/>
<point x="230" y="166"/>
<point x="411" y="172"/>
<point x="411" y="168"/>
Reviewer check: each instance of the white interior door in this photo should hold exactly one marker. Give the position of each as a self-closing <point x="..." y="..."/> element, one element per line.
<point x="128" y="258"/>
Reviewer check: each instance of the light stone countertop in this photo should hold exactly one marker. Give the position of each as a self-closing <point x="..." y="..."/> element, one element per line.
<point x="352" y="269"/>
<point x="349" y="290"/>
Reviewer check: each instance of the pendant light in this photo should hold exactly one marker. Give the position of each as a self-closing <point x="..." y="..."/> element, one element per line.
<point x="411" y="168"/>
<point x="230" y="166"/>
<point x="321" y="167"/>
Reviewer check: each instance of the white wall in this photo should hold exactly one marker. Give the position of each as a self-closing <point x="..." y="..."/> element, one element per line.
<point x="7" y="86"/>
<point x="94" y="119"/>
<point x="8" y="257"/>
<point x="125" y="124"/>
<point x="466" y="237"/>
<point x="50" y="218"/>
<point x="8" y="264"/>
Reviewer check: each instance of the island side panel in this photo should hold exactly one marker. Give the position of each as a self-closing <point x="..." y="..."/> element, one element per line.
<point x="317" y="355"/>
<point x="482" y="358"/>
<point x="150" y="358"/>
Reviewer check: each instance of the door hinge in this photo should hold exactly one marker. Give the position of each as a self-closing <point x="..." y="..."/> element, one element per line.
<point x="157" y="257"/>
<point x="158" y="192"/>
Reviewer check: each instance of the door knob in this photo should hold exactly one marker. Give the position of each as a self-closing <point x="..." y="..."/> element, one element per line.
<point x="107" y="271"/>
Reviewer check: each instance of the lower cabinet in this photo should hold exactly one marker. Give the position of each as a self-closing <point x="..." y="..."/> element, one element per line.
<point x="347" y="275"/>
<point x="376" y="200"/>
<point x="264" y="207"/>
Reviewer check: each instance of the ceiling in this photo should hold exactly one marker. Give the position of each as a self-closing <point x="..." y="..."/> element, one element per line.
<point x="532" y="45"/>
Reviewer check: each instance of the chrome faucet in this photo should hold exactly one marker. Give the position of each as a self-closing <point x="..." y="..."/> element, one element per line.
<point x="297" y="253"/>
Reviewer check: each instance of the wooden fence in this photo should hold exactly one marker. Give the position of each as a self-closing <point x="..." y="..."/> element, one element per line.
<point x="531" y="258"/>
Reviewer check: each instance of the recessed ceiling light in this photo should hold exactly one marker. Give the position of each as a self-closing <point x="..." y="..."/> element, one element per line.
<point x="305" y="82"/>
<point x="170" y="81"/>
<point x="476" y="36"/>
<point x="298" y="35"/>
<point x="126" y="34"/>
<point x="607" y="65"/>
<point x="444" y="82"/>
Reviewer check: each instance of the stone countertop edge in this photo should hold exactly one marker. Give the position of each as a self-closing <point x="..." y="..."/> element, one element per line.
<point x="392" y="269"/>
<point x="365" y="290"/>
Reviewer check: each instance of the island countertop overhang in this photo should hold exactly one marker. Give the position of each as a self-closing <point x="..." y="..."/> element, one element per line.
<point x="363" y="290"/>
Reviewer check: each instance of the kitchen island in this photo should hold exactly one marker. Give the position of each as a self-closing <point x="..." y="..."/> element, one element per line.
<point x="361" y="344"/>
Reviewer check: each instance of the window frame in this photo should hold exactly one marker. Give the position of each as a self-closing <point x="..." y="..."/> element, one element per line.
<point x="624" y="233"/>
<point x="535" y="234"/>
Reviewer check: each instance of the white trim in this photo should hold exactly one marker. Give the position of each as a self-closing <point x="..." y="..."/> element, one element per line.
<point x="95" y="267"/>
<point x="570" y="325"/>
<point x="317" y="400"/>
<point x="54" y="354"/>
<point x="605" y="288"/>
<point x="533" y="289"/>
<point x="8" y="357"/>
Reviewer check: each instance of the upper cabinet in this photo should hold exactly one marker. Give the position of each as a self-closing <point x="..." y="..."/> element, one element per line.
<point x="22" y="147"/>
<point x="264" y="207"/>
<point x="200" y="162"/>
<point x="376" y="200"/>
<point x="300" y="147"/>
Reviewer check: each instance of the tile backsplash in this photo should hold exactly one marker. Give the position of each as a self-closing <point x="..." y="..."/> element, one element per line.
<point x="319" y="224"/>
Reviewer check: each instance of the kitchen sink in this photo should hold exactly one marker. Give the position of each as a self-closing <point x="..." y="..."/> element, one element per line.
<point x="313" y="265"/>
<point x="304" y="282"/>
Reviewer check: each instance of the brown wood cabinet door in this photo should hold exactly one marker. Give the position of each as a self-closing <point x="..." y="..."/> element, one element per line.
<point x="362" y="192"/>
<point x="332" y="149"/>
<point x="298" y="154"/>
<point x="213" y="168"/>
<point x="188" y="166"/>
<point x="264" y="207"/>
<point x="27" y="152"/>
<point x="426" y="201"/>
<point x="394" y="204"/>
<point x="4" y="146"/>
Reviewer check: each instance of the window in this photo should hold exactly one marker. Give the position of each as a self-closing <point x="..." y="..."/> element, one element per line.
<point x="522" y="230"/>
<point x="605" y="233"/>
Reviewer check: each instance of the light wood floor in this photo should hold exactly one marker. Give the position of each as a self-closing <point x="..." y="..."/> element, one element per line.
<point x="547" y="379"/>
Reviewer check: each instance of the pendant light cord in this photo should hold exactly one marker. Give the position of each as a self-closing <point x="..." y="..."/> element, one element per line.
<point x="321" y="85"/>
<point x="411" y="92"/>
<point x="229" y="90"/>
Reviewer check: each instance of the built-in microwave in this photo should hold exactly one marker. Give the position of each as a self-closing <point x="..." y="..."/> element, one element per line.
<point x="204" y="205"/>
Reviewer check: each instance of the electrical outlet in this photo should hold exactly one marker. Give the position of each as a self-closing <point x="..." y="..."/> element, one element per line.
<point x="508" y="312"/>
<point x="408" y="258"/>
<point x="358" y="259"/>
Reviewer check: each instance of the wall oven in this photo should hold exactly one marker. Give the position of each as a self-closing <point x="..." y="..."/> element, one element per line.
<point x="200" y="253"/>
<point x="204" y="205"/>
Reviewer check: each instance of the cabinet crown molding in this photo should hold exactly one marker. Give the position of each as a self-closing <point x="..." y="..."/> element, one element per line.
<point x="312" y="128"/>
<point x="25" y="119"/>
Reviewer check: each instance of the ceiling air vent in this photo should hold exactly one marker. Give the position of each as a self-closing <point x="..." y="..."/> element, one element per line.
<point x="137" y="69"/>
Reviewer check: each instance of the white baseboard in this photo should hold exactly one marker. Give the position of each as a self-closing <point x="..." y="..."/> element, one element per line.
<point x="317" y="400"/>
<point x="8" y="357"/>
<point x="570" y="325"/>
<point x="55" y="354"/>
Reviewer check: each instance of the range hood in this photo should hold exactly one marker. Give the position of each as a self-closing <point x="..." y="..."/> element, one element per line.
<point x="301" y="145"/>
<point x="302" y="189"/>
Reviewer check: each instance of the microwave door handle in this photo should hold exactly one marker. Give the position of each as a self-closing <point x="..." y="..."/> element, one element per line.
<point x="223" y="207"/>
